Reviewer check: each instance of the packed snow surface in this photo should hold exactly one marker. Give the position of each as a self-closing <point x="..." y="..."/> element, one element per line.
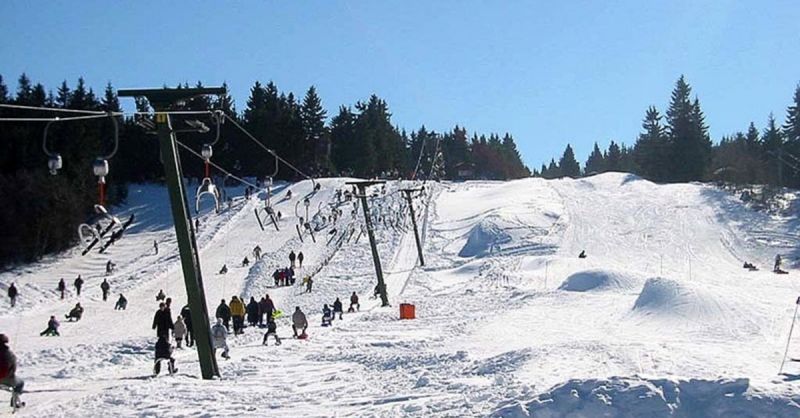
<point x="660" y="318"/>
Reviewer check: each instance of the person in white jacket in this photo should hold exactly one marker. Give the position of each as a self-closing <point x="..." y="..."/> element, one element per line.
<point x="219" y="335"/>
<point x="179" y="330"/>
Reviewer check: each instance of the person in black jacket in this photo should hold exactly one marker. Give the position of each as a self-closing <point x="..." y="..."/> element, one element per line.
<point x="62" y="287"/>
<point x="272" y="329"/>
<point x="186" y="313"/>
<point x="122" y="303"/>
<point x="12" y="294"/>
<point x="224" y="312"/>
<point x="164" y="353"/>
<point x="78" y="284"/>
<point x="338" y="308"/>
<point x="8" y="372"/>
<point x="105" y="287"/>
<point x="162" y="321"/>
<point x="253" y="312"/>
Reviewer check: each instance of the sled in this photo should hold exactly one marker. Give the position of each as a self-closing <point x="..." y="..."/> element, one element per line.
<point x="302" y="336"/>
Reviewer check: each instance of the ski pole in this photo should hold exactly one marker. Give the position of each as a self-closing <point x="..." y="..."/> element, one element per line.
<point x="788" y="341"/>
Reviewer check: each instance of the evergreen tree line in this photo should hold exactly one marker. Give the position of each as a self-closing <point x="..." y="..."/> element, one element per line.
<point x="676" y="147"/>
<point x="40" y="213"/>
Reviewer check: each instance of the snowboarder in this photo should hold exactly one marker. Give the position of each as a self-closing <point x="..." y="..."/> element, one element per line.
<point x="253" y="312"/>
<point x="76" y="313"/>
<point x="179" y="330"/>
<point x="337" y="308"/>
<point x="78" y="284"/>
<point x="354" y="302"/>
<point x="12" y="294"/>
<point x="62" y="287"/>
<point x="121" y="304"/>
<point x="219" y="335"/>
<point x="8" y="373"/>
<point x="272" y="329"/>
<point x="105" y="287"/>
<point x="52" y="327"/>
<point x="237" y="314"/>
<point x="224" y="269"/>
<point x="224" y="313"/>
<point x="186" y="313"/>
<point x="245" y="262"/>
<point x="110" y="267"/>
<point x="155" y="246"/>
<point x="327" y="316"/>
<point x="582" y="254"/>
<point x="300" y="259"/>
<point x="292" y="257"/>
<point x="162" y="321"/>
<point x="309" y="283"/>
<point x="299" y="322"/>
<point x="160" y="296"/>
<point x="164" y="353"/>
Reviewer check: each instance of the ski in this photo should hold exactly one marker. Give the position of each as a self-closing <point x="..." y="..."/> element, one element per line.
<point x="117" y="234"/>
<point x="258" y="218"/>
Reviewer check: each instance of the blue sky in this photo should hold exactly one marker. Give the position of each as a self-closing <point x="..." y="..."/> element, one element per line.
<point x="550" y="73"/>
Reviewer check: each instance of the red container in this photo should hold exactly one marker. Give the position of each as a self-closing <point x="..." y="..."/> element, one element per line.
<point x="407" y="311"/>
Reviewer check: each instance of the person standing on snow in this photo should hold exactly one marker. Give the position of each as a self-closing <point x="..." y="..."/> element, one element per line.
<point x="238" y="311"/>
<point x="52" y="327"/>
<point x="327" y="316"/>
<point x="299" y="321"/>
<point x="292" y="257"/>
<point x="122" y="303"/>
<point x="8" y="372"/>
<point x="186" y="313"/>
<point x="12" y="294"/>
<point x="778" y="261"/>
<point x="160" y="295"/>
<point x="224" y="313"/>
<point x="300" y="259"/>
<point x="105" y="287"/>
<point x="179" y="330"/>
<point x="253" y="312"/>
<point x="219" y="335"/>
<point x="164" y="353"/>
<point x="78" y="284"/>
<point x="354" y="302"/>
<point x="337" y="308"/>
<point x="62" y="287"/>
<point x="162" y="321"/>
<point x="309" y="283"/>
<point x="155" y="246"/>
<point x="272" y="329"/>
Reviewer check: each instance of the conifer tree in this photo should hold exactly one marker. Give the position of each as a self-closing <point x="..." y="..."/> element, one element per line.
<point x="595" y="162"/>
<point x="568" y="166"/>
<point x="313" y="118"/>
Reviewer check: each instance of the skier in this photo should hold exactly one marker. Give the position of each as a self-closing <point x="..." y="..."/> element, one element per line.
<point x="257" y="252"/>
<point x="62" y="287"/>
<point x="78" y="284"/>
<point x="122" y="303"/>
<point x="309" y="282"/>
<point x="155" y="246"/>
<point x="272" y="329"/>
<point x="245" y="262"/>
<point x="164" y="353"/>
<point x="160" y="296"/>
<point x="327" y="316"/>
<point x="219" y="335"/>
<point x="237" y="314"/>
<point x="224" y="313"/>
<point x="76" y="313"/>
<point x="186" y="313"/>
<point x="299" y="322"/>
<point x="337" y="308"/>
<point x="52" y="327"/>
<point x="162" y="321"/>
<point x="300" y="259"/>
<point x="224" y="269"/>
<point x="253" y="312"/>
<point x="8" y="373"/>
<point x="12" y="294"/>
<point x="292" y="257"/>
<point x="105" y="287"/>
<point x="179" y="330"/>
<point x="354" y="302"/>
<point x="778" y="261"/>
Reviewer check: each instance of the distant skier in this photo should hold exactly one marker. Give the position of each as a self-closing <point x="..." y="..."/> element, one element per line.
<point x="78" y="284"/>
<point x="224" y="313"/>
<point x="327" y="316"/>
<point x="105" y="287"/>
<point x="299" y="322"/>
<point x="121" y="304"/>
<point x="257" y="252"/>
<point x="272" y="329"/>
<point x="52" y="327"/>
<point x="354" y="302"/>
<point x="62" y="287"/>
<point x="582" y="254"/>
<point x="253" y="312"/>
<point x="224" y="269"/>
<point x="292" y="258"/>
<point x="110" y="267"/>
<point x="162" y="321"/>
<point x="155" y="246"/>
<point x="778" y="262"/>
<point x="245" y="262"/>
<point x="12" y="294"/>
<point x="219" y="336"/>
<point x="179" y="330"/>
<point x="160" y="296"/>
<point x="76" y="313"/>
<point x="186" y="313"/>
<point x="337" y="308"/>
<point x="237" y="314"/>
<point x="300" y="259"/>
<point x="309" y="284"/>
<point x="8" y="373"/>
<point x="164" y="353"/>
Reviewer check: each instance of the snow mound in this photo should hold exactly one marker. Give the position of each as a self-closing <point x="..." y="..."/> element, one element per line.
<point x="628" y="397"/>
<point x="663" y="296"/>
<point x="597" y="279"/>
<point x="484" y="237"/>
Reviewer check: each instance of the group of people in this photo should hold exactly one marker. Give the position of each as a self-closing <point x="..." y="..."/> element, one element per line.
<point x="181" y="329"/>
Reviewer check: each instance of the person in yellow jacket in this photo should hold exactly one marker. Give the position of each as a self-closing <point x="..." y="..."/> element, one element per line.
<point x="237" y="314"/>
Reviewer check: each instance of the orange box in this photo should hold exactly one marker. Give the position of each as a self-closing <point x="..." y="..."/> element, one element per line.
<point x="407" y="311"/>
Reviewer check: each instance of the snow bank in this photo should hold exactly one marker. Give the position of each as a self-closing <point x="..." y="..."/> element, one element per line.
<point x="629" y="397"/>
<point x="484" y="238"/>
<point x="597" y="279"/>
<point x="666" y="296"/>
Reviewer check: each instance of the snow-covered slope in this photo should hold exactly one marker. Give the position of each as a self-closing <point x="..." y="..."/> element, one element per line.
<point x="660" y="319"/>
